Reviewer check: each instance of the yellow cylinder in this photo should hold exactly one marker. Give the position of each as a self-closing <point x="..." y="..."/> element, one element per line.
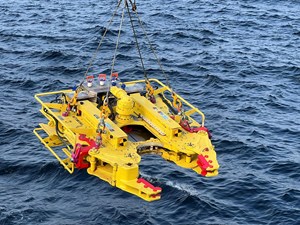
<point x="124" y="108"/>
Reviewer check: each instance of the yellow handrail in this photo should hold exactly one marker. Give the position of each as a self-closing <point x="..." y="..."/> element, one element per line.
<point x="190" y="112"/>
<point x="35" y="131"/>
<point x="49" y="110"/>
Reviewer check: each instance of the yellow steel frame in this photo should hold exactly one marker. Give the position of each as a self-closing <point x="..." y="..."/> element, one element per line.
<point x="116" y="160"/>
<point x="65" y="162"/>
<point x="164" y="88"/>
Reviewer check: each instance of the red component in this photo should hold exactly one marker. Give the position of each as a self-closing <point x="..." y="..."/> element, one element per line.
<point x="155" y="196"/>
<point x="203" y="164"/>
<point x="148" y="185"/>
<point x="81" y="152"/>
<point x="185" y="125"/>
<point x="66" y="113"/>
<point x="152" y="99"/>
<point x="90" y="78"/>
<point x="114" y="76"/>
<point x="127" y="129"/>
<point x="204" y="129"/>
<point x="102" y="76"/>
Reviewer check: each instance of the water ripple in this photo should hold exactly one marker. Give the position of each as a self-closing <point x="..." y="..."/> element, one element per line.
<point x="235" y="60"/>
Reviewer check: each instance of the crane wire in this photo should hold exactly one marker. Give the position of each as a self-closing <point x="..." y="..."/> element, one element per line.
<point x="149" y="43"/>
<point x="115" y="55"/>
<point x="100" y="43"/>
<point x="136" y="41"/>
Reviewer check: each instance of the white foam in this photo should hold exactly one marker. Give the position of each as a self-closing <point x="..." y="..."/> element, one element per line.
<point x="184" y="187"/>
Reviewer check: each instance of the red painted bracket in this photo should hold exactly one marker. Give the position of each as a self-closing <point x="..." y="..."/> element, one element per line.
<point x="148" y="185"/>
<point x="81" y="151"/>
<point x="203" y="164"/>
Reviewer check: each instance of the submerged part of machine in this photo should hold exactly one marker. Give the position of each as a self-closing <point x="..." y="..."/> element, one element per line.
<point x="105" y="126"/>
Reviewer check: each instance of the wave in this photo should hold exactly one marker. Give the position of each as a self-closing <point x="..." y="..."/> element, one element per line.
<point x="236" y="61"/>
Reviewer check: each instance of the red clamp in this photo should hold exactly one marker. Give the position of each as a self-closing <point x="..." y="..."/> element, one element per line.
<point x="148" y="185"/>
<point x="81" y="151"/>
<point x="203" y="164"/>
<point x="185" y="125"/>
<point x="66" y="113"/>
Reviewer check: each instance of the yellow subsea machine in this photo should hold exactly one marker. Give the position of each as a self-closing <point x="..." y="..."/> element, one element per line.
<point x="105" y="125"/>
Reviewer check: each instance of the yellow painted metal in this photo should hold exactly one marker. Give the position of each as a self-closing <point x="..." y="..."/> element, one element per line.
<point x="124" y="108"/>
<point x="46" y="141"/>
<point x="117" y="159"/>
<point x="163" y="88"/>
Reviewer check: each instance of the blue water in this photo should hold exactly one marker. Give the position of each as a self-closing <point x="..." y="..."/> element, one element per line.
<point x="238" y="61"/>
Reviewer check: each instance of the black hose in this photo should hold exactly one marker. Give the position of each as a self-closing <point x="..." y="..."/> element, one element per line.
<point x="56" y="100"/>
<point x="58" y="132"/>
<point x="174" y="111"/>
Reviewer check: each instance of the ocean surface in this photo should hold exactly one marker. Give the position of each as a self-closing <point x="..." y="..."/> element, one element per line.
<point x="238" y="61"/>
